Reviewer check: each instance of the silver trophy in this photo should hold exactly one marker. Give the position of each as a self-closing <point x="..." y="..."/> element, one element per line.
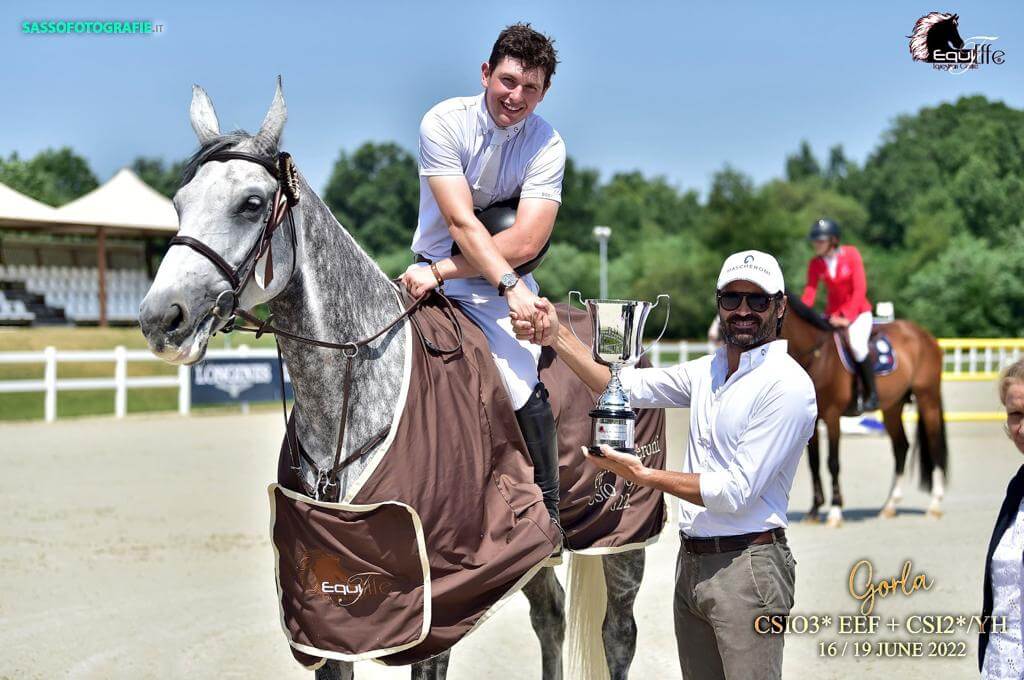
<point x="618" y="335"/>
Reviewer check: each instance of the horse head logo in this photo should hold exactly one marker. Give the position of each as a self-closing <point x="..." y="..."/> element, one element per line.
<point x="936" y="31"/>
<point x="322" y="574"/>
<point x="748" y="259"/>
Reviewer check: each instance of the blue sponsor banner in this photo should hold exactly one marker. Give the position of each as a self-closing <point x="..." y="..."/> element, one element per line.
<point x="218" y="381"/>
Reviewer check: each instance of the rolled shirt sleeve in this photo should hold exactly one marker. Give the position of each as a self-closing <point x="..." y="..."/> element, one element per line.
<point x="667" y="387"/>
<point x="779" y="428"/>
<point x="545" y="171"/>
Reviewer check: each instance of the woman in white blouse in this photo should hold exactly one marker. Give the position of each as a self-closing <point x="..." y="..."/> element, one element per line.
<point x="1000" y="652"/>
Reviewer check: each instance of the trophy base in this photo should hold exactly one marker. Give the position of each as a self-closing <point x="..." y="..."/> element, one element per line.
<point x="596" y="450"/>
<point x="613" y="428"/>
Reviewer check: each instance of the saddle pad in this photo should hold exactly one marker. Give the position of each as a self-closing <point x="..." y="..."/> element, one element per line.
<point x="881" y="353"/>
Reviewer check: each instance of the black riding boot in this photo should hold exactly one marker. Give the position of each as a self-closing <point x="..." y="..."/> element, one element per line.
<point x="538" y="426"/>
<point x="867" y="378"/>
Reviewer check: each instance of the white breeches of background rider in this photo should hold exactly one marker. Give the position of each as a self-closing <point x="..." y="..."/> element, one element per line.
<point x="516" y="360"/>
<point x="860" y="332"/>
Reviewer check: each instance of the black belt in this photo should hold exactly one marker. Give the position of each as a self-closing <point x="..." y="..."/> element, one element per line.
<point x="719" y="544"/>
<point x="420" y="258"/>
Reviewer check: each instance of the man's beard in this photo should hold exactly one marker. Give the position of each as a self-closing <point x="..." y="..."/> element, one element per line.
<point x="744" y="339"/>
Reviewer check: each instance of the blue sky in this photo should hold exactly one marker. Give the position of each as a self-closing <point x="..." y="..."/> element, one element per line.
<point x="669" y="88"/>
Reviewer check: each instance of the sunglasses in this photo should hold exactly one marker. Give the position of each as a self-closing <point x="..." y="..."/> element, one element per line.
<point x="758" y="302"/>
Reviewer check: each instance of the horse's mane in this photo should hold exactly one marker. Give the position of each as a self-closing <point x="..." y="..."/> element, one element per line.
<point x="228" y="140"/>
<point x="919" y="36"/>
<point x="796" y="305"/>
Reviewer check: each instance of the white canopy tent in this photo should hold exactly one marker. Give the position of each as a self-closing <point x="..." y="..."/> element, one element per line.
<point x="124" y="204"/>
<point x="17" y="208"/>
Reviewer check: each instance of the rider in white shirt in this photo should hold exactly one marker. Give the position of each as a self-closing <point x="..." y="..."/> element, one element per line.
<point x="473" y="152"/>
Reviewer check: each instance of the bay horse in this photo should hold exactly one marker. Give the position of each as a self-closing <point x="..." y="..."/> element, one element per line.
<point x="320" y="284"/>
<point x="917" y="375"/>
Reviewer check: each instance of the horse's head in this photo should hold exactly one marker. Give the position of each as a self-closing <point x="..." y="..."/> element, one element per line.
<point x="951" y="31"/>
<point x="222" y="204"/>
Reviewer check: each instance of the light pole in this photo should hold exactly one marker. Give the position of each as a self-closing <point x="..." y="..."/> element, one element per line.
<point x="602" y="234"/>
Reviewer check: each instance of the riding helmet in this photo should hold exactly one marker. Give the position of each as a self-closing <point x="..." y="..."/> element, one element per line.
<point x="824" y="228"/>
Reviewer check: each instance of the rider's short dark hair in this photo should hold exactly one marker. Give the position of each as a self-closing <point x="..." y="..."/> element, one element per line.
<point x="529" y="47"/>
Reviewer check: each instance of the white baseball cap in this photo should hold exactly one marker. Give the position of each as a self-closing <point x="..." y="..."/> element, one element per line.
<point x="759" y="268"/>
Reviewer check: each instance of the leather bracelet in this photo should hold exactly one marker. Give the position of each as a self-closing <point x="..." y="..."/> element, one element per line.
<point x="437" y="274"/>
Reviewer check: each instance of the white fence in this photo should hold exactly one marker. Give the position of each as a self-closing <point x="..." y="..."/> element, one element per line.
<point x="50" y="384"/>
<point x="965" y="359"/>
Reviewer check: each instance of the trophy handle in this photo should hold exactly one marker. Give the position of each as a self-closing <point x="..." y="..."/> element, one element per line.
<point x="580" y="296"/>
<point x="663" y="328"/>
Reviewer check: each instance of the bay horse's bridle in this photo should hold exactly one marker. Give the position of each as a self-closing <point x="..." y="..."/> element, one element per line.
<point x="226" y="309"/>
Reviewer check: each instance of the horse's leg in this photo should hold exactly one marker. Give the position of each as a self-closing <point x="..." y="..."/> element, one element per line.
<point x="547" y="614"/>
<point x="434" y="668"/>
<point x="932" y="444"/>
<point x="835" y="513"/>
<point x="814" y="460"/>
<point x="893" y="417"/>
<point x="336" y="670"/>
<point x="622" y="575"/>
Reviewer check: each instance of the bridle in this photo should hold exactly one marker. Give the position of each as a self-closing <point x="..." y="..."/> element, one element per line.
<point x="226" y="308"/>
<point x="285" y="198"/>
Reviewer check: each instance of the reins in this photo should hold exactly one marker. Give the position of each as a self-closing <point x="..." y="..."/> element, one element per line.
<point x="285" y="198"/>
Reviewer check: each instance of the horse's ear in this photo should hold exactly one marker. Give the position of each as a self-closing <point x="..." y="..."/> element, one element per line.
<point x="956" y="17"/>
<point x="204" y="118"/>
<point x="269" y="135"/>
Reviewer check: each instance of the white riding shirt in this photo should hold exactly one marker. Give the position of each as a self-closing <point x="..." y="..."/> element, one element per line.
<point x="459" y="137"/>
<point x="746" y="436"/>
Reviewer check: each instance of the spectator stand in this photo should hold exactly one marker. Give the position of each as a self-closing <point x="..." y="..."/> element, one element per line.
<point x="89" y="261"/>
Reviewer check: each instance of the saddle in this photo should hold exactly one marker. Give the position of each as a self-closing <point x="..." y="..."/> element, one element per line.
<point x="445" y="522"/>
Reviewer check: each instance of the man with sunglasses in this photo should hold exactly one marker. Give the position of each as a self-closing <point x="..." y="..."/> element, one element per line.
<point x="752" y="410"/>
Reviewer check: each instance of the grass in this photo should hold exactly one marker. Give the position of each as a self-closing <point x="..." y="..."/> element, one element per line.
<point x="29" y="405"/>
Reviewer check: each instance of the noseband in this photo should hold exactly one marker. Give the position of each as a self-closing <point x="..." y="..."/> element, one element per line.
<point x="285" y="198"/>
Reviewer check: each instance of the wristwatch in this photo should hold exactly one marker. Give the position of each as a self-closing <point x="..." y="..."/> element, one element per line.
<point x="507" y="282"/>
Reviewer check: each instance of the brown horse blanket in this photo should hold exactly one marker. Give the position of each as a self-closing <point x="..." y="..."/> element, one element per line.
<point x="446" y="521"/>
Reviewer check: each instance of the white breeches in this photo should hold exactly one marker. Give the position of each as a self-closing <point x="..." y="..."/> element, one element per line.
<point x="860" y="332"/>
<point x="516" y="359"/>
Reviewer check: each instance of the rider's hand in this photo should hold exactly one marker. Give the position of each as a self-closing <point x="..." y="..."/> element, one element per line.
<point x="542" y="329"/>
<point x="521" y="303"/>
<point x="419" y="280"/>
<point x="838" y="321"/>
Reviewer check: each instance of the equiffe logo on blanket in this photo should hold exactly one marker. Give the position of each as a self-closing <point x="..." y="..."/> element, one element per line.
<point x="323" y="576"/>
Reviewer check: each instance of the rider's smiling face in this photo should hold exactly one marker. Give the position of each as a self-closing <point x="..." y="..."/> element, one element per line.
<point x="511" y="93"/>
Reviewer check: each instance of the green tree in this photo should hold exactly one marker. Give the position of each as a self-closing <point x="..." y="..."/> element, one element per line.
<point x="53" y="176"/>
<point x="971" y="289"/>
<point x="802" y="165"/>
<point x="374" y="193"/>
<point x="159" y="175"/>
<point x="973" y="149"/>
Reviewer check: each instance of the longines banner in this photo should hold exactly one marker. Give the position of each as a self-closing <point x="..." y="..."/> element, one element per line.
<point x="216" y="381"/>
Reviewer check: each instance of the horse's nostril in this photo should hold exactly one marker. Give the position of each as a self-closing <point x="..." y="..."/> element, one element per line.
<point x="174" y="318"/>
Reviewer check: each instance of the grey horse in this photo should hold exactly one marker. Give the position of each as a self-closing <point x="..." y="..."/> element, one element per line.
<point x="328" y="288"/>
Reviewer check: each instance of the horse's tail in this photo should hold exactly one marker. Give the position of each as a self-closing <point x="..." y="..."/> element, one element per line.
<point x="588" y="601"/>
<point x="932" y="457"/>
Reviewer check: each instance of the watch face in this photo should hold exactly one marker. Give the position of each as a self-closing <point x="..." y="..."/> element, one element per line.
<point x="509" y="280"/>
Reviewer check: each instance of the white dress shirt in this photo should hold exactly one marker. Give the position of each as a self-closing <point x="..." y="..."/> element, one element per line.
<point x="1004" y="656"/>
<point x="746" y="437"/>
<point x="459" y="137"/>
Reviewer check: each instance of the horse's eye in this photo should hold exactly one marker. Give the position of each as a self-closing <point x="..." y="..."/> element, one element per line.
<point x="252" y="204"/>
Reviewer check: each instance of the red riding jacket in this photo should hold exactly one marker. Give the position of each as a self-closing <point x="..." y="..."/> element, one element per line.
<point x="847" y="292"/>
